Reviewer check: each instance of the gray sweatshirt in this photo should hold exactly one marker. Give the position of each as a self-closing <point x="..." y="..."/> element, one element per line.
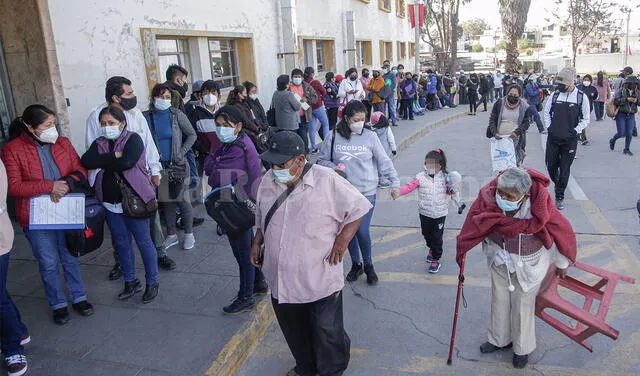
<point x="287" y="110"/>
<point x="364" y="158"/>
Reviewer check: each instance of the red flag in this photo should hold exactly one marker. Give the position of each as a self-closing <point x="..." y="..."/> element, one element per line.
<point x="411" y="7"/>
<point x="629" y="51"/>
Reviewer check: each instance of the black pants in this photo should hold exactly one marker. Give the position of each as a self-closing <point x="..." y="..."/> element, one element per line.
<point x="332" y="114"/>
<point x="559" y="157"/>
<point x="473" y="102"/>
<point x="431" y="102"/>
<point x="483" y="100"/>
<point x="497" y="93"/>
<point x="433" y="231"/>
<point x="463" y="95"/>
<point x="407" y="107"/>
<point x="315" y="335"/>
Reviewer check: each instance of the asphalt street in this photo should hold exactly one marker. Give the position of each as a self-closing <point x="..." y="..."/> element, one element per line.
<point x="402" y="326"/>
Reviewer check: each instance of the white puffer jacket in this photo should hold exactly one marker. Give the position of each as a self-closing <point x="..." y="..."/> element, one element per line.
<point x="433" y="200"/>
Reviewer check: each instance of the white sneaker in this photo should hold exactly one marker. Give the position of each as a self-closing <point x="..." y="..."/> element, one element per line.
<point x="16" y="365"/>
<point x="189" y="241"/>
<point x="170" y="241"/>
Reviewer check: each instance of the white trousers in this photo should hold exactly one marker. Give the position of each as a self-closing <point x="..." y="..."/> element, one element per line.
<point x="512" y="313"/>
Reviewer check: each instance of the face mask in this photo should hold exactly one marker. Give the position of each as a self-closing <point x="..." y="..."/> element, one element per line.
<point x="385" y="71"/>
<point x="226" y="134"/>
<point x="128" y="103"/>
<point x="253" y="96"/>
<point x="162" y="104"/>
<point x="512" y="99"/>
<point x="210" y="100"/>
<point x="50" y="136"/>
<point x="394" y="71"/>
<point x="400" y="70"/>
<point x="507" y="206"/>
<point x="376" y="75"/>
<point x="357" y="127"/>
<point x="297" y="81"/>
<point x="282" y="176"/>
<point x="111" y="132"/>
<point x="562" y="88"/>
<point x="586" y="83"/>
<point x="430" y="170"/>
<point x="365" y="75"/>
<point x="353" y="77"/>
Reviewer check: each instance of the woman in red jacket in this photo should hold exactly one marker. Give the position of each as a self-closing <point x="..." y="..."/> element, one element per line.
<point x="39" y="162"/>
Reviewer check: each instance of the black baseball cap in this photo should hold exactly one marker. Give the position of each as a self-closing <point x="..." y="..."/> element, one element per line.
<point x="627" y="70"/>
<point x="285" y="145"/>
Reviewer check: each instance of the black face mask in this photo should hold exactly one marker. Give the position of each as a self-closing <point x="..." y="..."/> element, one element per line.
<point x="353" y="77"/>
<point x="562" y="88"/>
<point x="365" y="74"/>
<point x="128" y="103"/>
<point x="512" y="99"/>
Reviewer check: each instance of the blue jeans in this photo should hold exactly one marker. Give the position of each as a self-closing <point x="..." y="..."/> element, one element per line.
<point x="625" y="124"/>
<point x="122" y="228"/>
<point x="319" y="115"/>
<point x="599" y="108"/>
<point x="303" y="131"/>
<point x="50" y="249"/>
<point x="11" y="326"/>
<point x="362" y="241"/>
<point x="193" y="170"/>
<point x="536" y="118"/>
<point x="250" y="276"/>
<point x="392" y="103"/>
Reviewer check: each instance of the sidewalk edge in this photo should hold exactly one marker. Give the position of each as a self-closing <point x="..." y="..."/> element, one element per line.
<point x="407" y="142"/>
<point x="240" y="346"/>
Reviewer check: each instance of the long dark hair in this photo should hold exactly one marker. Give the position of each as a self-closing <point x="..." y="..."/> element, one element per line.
<point x="438" y="155"/>
<point x="349" y="111"/>
<point x="33" y="116"/>
<point x="234" y="93"/>
<point x="600" y="79"/>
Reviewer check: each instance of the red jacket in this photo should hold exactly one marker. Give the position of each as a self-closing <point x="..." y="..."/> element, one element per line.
<point x="547" y="223"/>
<point x="320" y="90"/>
<point x="24" y="170"/>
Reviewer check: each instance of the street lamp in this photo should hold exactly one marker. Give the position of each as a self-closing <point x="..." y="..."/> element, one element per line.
<point x="628" y="11"/>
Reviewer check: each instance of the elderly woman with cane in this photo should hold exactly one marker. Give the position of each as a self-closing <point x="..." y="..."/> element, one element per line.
<point x="520" y="229"/>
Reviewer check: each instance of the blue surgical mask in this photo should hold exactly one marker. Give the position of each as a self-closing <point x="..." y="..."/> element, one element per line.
<point x="111" y="132"/>
<point x="297" y="81"/>
<point x="506" y="205"/>
<point x="162" y="104"/>
<point x="226" y="134"/>
<point x="282" y="176"/>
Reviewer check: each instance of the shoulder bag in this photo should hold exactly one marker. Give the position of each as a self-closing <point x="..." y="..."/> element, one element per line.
<point x="132" y="205"/>
<point x="175" y="173"/>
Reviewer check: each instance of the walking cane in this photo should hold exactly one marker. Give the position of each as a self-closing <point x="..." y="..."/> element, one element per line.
<point x="455" y="313"/>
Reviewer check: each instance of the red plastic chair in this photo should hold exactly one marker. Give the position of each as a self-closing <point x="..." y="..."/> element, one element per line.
<point x="587" y="323"/>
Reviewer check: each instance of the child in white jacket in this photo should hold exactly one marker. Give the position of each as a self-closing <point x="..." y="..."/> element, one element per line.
<point x="380" y="125"/>
<point x="435" y="191"/>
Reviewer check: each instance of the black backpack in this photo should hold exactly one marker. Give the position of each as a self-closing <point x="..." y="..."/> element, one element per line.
<point x="554" y="99"/>
<point x="82" y="242"/>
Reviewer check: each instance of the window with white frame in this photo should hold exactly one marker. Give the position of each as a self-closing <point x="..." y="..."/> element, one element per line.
<point x="363" y="53"/>
<point x="173" y="51"/>
<point x="320" y="58"/>
<point x="224" y="59"/>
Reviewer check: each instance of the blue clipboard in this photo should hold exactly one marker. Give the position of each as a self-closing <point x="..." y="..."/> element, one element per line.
<point x="47" y="218"/>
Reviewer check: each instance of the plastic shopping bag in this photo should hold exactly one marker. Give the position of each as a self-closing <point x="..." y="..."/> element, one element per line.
<point x="503" y="154"/>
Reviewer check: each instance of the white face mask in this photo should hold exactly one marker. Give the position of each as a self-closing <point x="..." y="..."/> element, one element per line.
<point x="430" y="170"/>
<point x="111" y="132"/>
<point x="586" y="83"/>
<point x="162" y="104"/>
<point x="50" y="136"/>
<point x="357" y="127"/>
<point x="253" y="96"/>
<point x="210" y="100"/>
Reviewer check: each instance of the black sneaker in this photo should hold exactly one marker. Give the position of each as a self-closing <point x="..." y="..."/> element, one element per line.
<point x="166" y="263"/>
<point x="430" y="258"/>
<point x="612" y="144"/>
<point x="150" y="293"/>
<point x="355" y="272"/>
<point x="261" y="288"/>
<point x="130" y="289"/>
<point x="520" y="361"/>
<point x="115" y="273"/>
<point x="84" y="308"/>
<point x="61" y="316"/>
<point x="627" y="152"/>
<point x="585" y="142"/>
<point x="372" y="277"/>
<point x="434" y="267"/>
<point x="488" y="347"/>
<point x="239" y="305"/>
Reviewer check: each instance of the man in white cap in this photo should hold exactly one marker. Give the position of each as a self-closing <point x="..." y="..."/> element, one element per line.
<point x="566" y="114"/>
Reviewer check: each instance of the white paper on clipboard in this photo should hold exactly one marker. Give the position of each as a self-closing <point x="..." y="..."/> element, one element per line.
<point x="68" y="214"/>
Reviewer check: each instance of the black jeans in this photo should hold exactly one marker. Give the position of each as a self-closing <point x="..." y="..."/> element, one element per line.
<point x="407" y="108"/>
<point x="332" y="114"/>
<point x="303" y="132"/>
<point x="315" y="335"/>
<point x="431" y="102"/>
<point x="473" y="102"/>
<point x="559" y="157"/>
<point x="433" y="231"/>
<point x="483" y="100"/>
<point x="599" y="108"/>
<point x="497" y="93"/>
<point x="250" y="276"/>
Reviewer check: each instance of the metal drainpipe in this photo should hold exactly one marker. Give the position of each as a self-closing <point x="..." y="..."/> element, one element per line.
<point x="350" y="46"/>
<point x="289" y="51"/>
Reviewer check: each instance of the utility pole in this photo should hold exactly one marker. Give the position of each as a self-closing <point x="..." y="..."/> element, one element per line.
<point x="626" y="48"/>
<point x="416" y="20"/>
<point x="495" y="50"/>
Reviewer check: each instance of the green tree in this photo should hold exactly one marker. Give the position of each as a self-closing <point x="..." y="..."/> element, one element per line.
<point x="474" y="28"/>
<point x="502" y="45"/>
<point x="477" y="48"/>
<point x="525" y="44"/>
<point x="514" y="18"/>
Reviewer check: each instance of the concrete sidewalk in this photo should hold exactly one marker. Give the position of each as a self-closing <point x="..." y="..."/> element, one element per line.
<point x="183" y="332"/>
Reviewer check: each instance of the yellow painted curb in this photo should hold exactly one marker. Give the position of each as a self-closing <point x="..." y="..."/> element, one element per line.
<point x="238" y="349"/>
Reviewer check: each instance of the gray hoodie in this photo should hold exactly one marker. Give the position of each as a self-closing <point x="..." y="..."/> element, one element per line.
<point x="364" y="158"/>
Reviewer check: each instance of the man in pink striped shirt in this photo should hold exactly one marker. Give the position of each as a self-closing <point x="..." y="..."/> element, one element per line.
<point x="304" y="243"/>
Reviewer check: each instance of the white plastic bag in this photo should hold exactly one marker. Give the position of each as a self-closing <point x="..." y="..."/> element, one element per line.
<point x="503" y="154"/>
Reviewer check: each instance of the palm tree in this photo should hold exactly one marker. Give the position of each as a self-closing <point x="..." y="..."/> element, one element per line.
<point x="514" y="18"/>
